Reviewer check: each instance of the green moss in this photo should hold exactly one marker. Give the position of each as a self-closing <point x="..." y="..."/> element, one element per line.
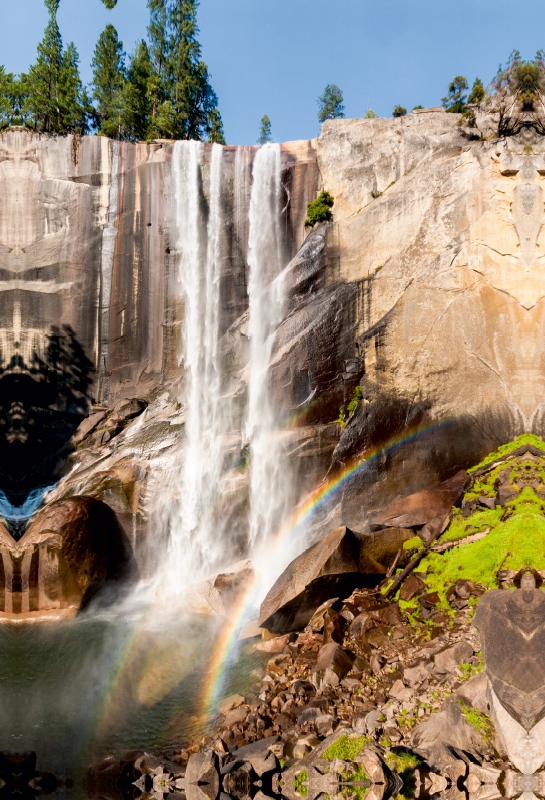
<point x="514" y="542"/>
<point x="346" y="747"/>
<point x="400" y="760"/>
<point x="415" y="543"/>
<point x="354" y="777"/>
<point x="346" y="413"/>
<point x="300" y="783"/>
<point x="505" y="449"/>
<point x="481" y="722"/>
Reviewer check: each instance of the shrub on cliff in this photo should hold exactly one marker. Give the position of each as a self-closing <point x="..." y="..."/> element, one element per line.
<point x="456" y="99"/>
<point x="319" y="210"/>
<point x="399" y="111"/>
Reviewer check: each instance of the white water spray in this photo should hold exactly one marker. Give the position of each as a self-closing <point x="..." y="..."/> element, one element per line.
<point x="192" y="542"/>
<point x="269" y="481"/>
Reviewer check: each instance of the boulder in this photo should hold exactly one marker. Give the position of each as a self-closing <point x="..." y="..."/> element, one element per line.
<point x="511" y="627"/>
<point x="437" y="736"/>
<point x="333" y="567"/>
<point x="202" y="780"/>
<point x="421" y="508"/>
<point x="448" y="660"/>
<point x="72" y="550"/>
<point x="332" y="665"/>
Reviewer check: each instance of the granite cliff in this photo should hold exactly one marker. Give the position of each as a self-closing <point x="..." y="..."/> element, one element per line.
<point x="426" y="291"/>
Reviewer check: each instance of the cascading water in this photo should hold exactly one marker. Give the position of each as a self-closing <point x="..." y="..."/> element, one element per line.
<point x="192" y="541"/>
<point x="269" y="480"/>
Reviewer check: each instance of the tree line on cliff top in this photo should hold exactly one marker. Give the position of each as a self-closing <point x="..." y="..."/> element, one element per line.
<point x="162" y="90"/>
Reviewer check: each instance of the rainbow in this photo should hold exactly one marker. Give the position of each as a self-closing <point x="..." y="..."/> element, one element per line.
<point x="290" y="532"/>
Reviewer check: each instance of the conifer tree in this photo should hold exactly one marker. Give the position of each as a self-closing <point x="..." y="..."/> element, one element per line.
<point x="331" y="103"/>
<point x="265" y="134"/>
<point x="54" y="101"/>
<point x="137" y="105"/>
<point x="478" y="93"/>
<point x="108" y="83"/>
<point x="6" y="97"/>
<point x="214" y="127"/>
<point x="181" y="95"/>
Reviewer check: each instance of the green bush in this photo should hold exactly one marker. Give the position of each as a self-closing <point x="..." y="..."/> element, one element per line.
<point x="319" y="210"/>
<point x="399" y="111"/>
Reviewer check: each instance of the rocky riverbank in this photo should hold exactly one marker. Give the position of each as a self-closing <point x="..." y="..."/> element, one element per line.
<point x="395" y="688"/>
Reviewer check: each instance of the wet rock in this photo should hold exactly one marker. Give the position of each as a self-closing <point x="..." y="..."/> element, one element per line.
<point x="333" y="567"/>
<point x="274" y="645"/>
<point x="332" y="665"/>
<point x="235" y="716"/>
<point x="421" y="508"/>
<point x="231" y="702"/>
<point x="72" y="550"/>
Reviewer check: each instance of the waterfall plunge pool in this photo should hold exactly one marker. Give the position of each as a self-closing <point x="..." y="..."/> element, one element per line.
<point x="77" y="691"/>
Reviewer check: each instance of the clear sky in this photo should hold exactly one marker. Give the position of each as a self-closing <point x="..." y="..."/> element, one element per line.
<point x="275" y="56"/>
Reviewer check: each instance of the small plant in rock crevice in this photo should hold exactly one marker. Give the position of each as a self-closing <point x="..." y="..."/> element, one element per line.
<point x="319" y="210"/>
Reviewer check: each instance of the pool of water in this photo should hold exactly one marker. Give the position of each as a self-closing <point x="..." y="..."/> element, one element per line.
<point x="79" y="690"/>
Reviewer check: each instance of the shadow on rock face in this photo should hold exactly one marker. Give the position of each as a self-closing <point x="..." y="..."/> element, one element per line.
<point x="41" y="405"/>
<point x="73" y="553"/>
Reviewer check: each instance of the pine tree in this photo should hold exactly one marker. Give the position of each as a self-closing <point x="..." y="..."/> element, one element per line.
<point x="182" y="97"/>
<point x="6" y="97"/>
<point x="108" y="83"/>
<point x="54" y="101"/>
<point x="477" y="93"/>
<point x="331" y="103"/>
<point x="214" y="127"/>
<point x="137" y="105"/>
<point x="265" y="134"/>
<point x="455" y="101"/>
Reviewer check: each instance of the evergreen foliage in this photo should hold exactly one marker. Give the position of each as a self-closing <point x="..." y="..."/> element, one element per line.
<point x="370" y="114"/>
<point x="109" y="83"/>
<point x="184" y="105"/>
<point x="331" y="104"/>
<point x="137" y="103"/>
<point x="265" y="134"/>
<point x="477" y="94"/>
<point x="399" y="111"/>
<point x="214" y="127"/>
<point x="319" y="210"/>
<point x="6" y="97"/>
<point x="54" y="100"/>
<point x="110" y="3"/>
<point x="455" y="101"/>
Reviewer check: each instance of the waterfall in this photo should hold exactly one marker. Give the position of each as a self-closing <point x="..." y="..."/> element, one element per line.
<point x="192" y="542"/>
<point x="269" y="482"/>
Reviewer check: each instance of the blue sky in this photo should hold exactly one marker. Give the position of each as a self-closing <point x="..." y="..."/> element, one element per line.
<point x="275" y="56"/>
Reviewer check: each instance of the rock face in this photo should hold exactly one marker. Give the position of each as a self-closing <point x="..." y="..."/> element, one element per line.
<point x="511" y="627"/>
<point x="72" y="551"/>
<point x="426" y="291"/>
<point x="333" y="567"/>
